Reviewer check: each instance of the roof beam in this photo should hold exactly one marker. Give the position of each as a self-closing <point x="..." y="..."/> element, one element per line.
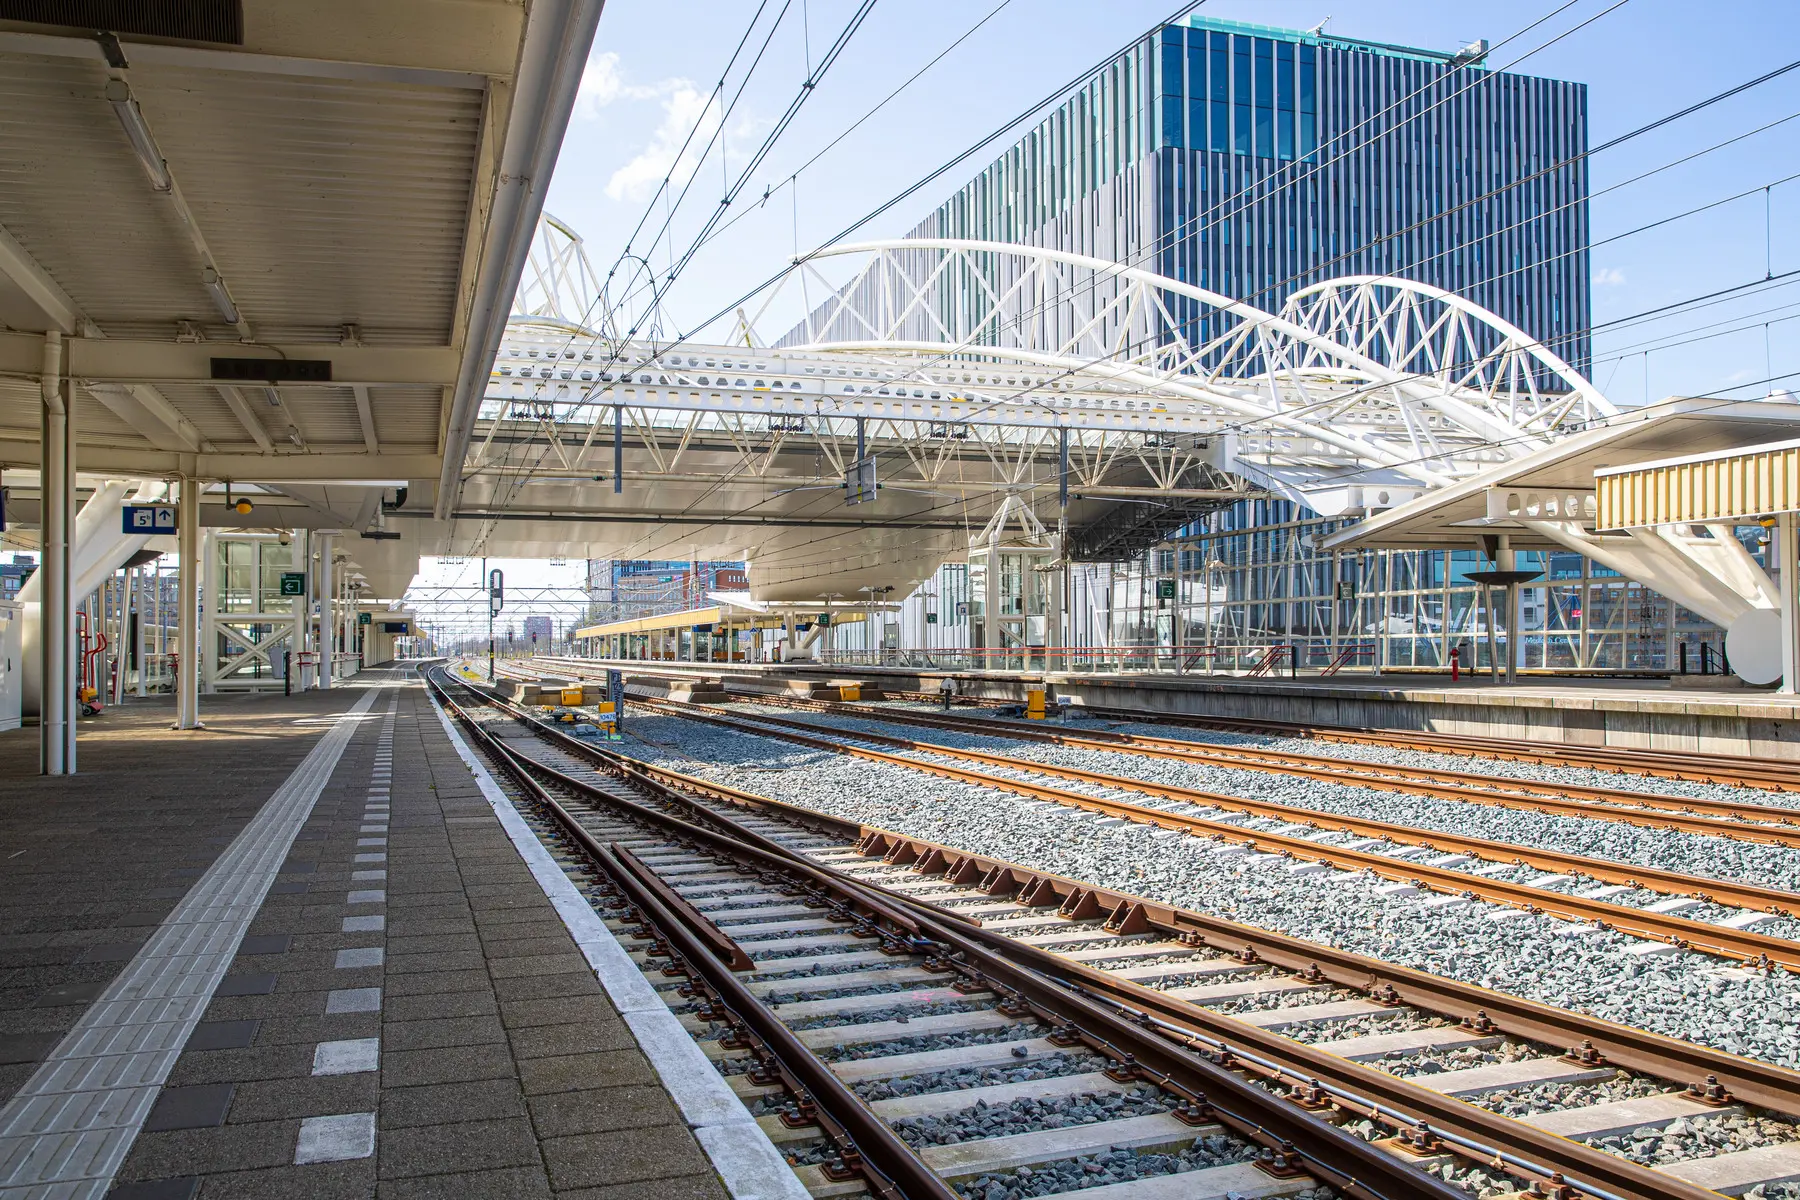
<point x="365" y="416"/>
<point x="240" y="408"/>
<point x="18" y="265"/>
<point x="49" y="45"/>
<point x="149" y="412"/>
<point x="338" y="464"/>
<point x="125" y="360"/>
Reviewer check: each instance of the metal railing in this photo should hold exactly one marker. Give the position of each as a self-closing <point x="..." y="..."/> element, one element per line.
<point x="1321" y="656"/>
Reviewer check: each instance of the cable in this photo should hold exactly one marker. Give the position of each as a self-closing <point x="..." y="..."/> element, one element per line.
<point x="1539" y="174"/>
<point x="806" y="90"/>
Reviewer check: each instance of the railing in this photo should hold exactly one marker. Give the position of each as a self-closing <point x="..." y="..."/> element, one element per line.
<point x="1323" y="656"/>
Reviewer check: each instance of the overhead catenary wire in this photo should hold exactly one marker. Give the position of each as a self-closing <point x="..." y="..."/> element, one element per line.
<point x="806" y="90"/>
<point x="1675" y="116"/>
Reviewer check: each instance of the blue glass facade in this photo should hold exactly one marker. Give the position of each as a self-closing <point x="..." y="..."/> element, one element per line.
<point x="1253" y="161"/>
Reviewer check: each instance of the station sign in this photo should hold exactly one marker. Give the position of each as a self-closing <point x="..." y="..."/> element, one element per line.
<point x="149" y="518"/>
<point x="293" y="583"/>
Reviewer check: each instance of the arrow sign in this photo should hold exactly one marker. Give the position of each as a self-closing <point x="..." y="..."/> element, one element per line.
<point x="149" y="518"/>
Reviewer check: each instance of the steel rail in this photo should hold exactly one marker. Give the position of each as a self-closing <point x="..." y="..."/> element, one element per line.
<point x="1747" y="947"/>
<point x="1292" y="1132"/>
<point x="1739" y="769"/>
<point x="1474" y="1132"/>
<point x="1481" y="1009"/>
<point x="1672" y="812"/>
<point x="716" y="940"/>
<point x="1721" y="891"/>
<point x="1731" y="769"/>
<point x="887" y="1163"/>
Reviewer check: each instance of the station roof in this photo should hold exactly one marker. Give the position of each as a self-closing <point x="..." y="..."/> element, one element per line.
<point x="1457" y="516"/>
<point x="1739" y="484"/>
<point x="687" y="618"/>
<point x="347" y="186"/>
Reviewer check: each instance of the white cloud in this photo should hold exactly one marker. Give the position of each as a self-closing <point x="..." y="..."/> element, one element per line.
<point x="602" y="85"/>
<point x="685" y="109"/>
<point x="1608" y="277"/>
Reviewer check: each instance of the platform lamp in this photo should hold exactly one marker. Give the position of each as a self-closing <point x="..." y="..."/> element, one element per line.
<point x="241" y="506"/>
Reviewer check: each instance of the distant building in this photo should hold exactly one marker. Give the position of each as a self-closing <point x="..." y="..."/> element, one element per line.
<point x="14" y="574"/>
<point x="621" y="589"/>
<point x="1254" y="161"/>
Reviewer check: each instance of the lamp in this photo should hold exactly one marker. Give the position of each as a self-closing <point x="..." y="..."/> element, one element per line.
<point x="241" y="506"/>
<point x="215" y="287"/>
<point x="137" y="132"/>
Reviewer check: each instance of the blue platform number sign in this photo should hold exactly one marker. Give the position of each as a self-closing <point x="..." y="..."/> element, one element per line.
<point x="149" y="518"/>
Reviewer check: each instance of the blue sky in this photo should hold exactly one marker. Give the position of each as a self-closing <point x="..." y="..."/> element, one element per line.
<point x="649" y="77"/>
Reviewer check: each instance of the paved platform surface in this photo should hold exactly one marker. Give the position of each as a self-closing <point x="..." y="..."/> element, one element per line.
<point x="405" y="1015"/>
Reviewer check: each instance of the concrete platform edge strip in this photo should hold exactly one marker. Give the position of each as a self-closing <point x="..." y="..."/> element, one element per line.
<point x="65" y="1137"/>
<point x="747" y="1161"/>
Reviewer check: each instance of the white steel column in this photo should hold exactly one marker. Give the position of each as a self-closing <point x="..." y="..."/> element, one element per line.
<point x="56" y="619"/>
<point x="211" y="579"/>
<point x="1788" y="556"/>
<point x="327" y="611"/>
<point x="140" y="639"/>
<point x="187" y="608"/>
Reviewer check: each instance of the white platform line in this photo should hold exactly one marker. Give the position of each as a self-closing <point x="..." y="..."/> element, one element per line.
<point x="69" y="1127"/>
<point x="747" y="1161"/>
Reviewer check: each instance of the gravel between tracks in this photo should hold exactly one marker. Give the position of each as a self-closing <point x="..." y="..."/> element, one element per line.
<point x="1615" y="841"/>
<point x="1396" y="756"/>
<point x="1677" y="993"/>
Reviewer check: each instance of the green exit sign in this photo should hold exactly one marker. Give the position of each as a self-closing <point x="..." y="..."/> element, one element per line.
<point x="931" y="618"/>
<point x="364" y="618"/>
<point x="293" y="583"/>
<point x="1165" y="589"/>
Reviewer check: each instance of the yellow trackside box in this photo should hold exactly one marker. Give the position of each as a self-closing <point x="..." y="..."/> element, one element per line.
<point x="849" y="691"/>
<point x="572" y="696"/>
<point x="1034" y="704"/>
<point x="604" y="708"/>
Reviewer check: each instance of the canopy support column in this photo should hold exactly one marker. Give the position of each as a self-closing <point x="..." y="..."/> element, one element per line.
<point x="56" y="620"/>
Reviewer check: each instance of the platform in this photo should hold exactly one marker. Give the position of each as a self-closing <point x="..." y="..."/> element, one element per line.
<point x="302" y="953"/>
<point x="1590" y="711"/>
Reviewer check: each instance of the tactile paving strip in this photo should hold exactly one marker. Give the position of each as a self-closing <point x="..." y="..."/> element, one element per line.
<point x="67" y="1130"/>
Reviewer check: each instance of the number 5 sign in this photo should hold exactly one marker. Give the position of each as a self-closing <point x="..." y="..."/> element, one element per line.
<point x="149" y="518"/>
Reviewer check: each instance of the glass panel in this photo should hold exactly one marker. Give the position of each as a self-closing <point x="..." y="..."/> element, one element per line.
<point x="1240" y="94"/>
<point x="1197" y="91"/>
<point x="1284" y="100"/>
<point x="1218" y="84"/>
<point x="1172" y="62"/>
<point x="1265" y="98"/>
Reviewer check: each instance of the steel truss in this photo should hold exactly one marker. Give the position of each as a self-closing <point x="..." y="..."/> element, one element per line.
<point x="1359" y="395"/>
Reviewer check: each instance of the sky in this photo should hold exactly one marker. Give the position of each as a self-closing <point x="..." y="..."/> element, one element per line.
<point x="650" y="81"/>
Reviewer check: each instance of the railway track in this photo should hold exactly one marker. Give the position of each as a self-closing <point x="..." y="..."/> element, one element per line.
<point x="1454" y="879"/>
<point x="1091" y="1051"/>
<point x="1767" y="824"/>
<point x="1731" y="770"/>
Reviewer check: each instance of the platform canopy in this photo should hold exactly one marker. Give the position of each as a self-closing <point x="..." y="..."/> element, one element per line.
<point x="1546" y="500"/>
<point x="279" y="241"/>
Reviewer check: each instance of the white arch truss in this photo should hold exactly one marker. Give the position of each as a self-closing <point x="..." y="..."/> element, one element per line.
<point x="1372" y="379"/>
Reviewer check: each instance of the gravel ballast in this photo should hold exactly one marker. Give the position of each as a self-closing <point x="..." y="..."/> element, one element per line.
<point x="1678" y="993"/>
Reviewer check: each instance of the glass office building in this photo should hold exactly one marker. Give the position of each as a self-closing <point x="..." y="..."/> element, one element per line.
<point x="1253" y="161"/>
